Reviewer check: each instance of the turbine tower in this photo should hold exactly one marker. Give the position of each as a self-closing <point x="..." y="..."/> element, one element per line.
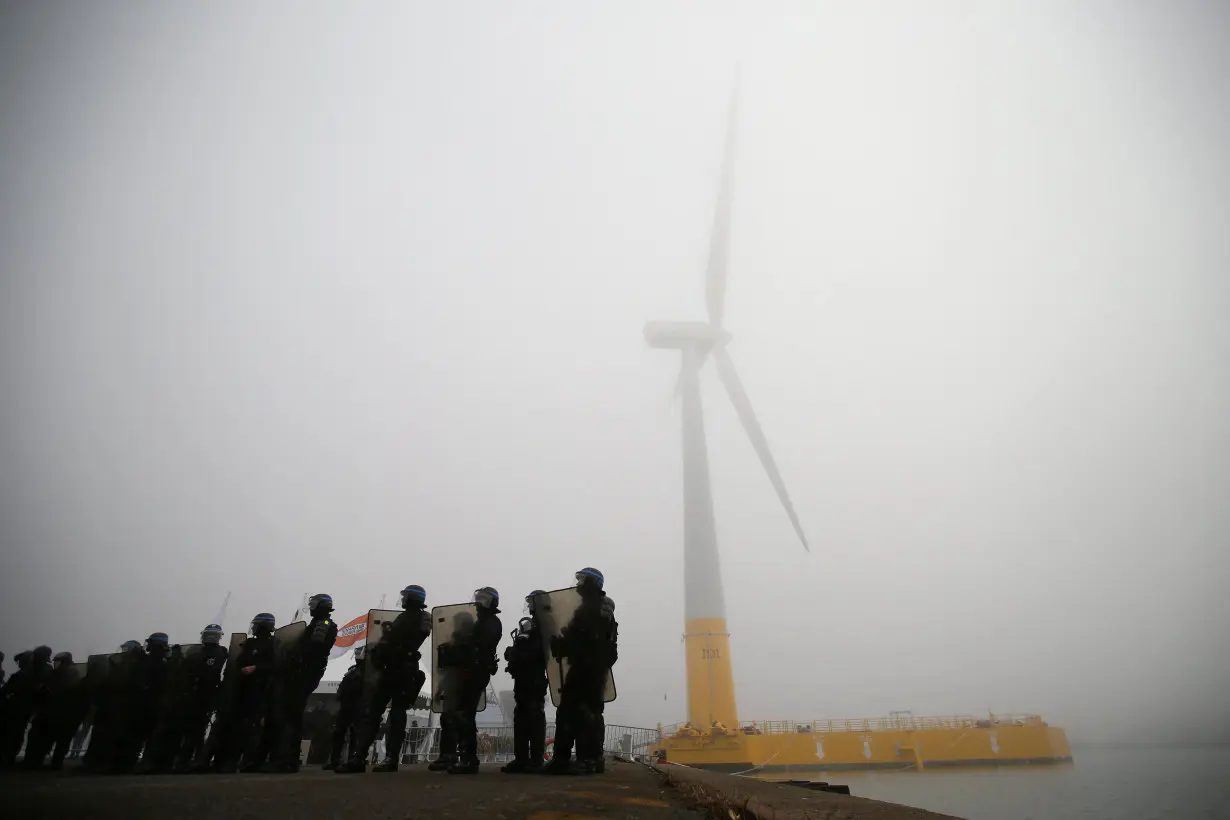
<point x="711" y="689"/>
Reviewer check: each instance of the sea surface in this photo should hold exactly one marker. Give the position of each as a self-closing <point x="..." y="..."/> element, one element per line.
<point x="1104" y="783"/>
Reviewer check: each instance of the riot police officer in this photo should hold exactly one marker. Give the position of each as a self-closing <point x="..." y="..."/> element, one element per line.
<point x="478" y="662"/>
<point x="16" y="701"/>
<point x="138" y="685"/>
<point x="108" y="698"/>
<point x="349" y="708"/>
<point x="588" y="643"/>
<point x="247" y="690"/>
<point x="202" y="675"/>
<point x="394" y="661"/>
<point x="58" y="716"/>
<point x="25" y="701"/>
<point x="527" y="664"/>
<point x="307" y="666"/>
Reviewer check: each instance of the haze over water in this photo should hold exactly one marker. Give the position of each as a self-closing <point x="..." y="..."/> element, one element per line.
<point x="1105" y="783"/>
<point x="319" y="297"/>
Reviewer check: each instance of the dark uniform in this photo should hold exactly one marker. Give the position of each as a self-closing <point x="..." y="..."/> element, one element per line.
<point x="247" y="690"/>
<point x="349" y="709"/>
<point x="478" y="662"/>
<point x="202" y="674"/>
<point x="527" y="664"/>
<point x="193" y="678"/>
<point x="307" y="666"/>
<point x="589" y="643"/>
<point x="395" y="658"/>
<point x="58" y="716"/>
<point x="104" y="692"/>
<point x="25" y="699"/>
<point x="125" y="704"/>
<point x="141" y="692"/>
<point x="16" y="699"/>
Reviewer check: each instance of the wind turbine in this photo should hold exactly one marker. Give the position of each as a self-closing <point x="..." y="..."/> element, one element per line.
<point x="711" y="689"/>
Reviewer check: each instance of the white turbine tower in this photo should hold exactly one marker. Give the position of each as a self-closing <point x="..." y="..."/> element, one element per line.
<point x="711" y="694"/>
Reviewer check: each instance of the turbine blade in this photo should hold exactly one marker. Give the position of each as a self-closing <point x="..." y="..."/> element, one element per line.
<point x="743" y="406"/>
<point x="719" y="241"/>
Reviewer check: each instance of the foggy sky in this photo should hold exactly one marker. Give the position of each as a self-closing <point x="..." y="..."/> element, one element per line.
<point x="339" y="298"/>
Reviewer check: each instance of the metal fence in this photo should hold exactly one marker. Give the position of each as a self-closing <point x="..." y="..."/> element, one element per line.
<point x="901" y="722"/>
<point x="495" y="743"/>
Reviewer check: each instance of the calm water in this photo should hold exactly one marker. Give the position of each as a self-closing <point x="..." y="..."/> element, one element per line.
<point x="1105" y="783"/>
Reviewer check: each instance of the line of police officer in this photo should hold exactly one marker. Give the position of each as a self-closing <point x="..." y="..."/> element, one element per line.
<point x="148" y="708"/>
<point x="388" y="675"/>
<point x="153" y="703"/>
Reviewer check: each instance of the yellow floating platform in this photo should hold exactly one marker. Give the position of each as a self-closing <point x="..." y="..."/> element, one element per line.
<point x="773" y="750"/>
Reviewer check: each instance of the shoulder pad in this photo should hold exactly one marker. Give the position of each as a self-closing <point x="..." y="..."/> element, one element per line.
<point x="425" y="622"/>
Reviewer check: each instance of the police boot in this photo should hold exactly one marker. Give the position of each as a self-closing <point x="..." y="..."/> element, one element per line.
<point x="558" y="765"/>
<point x="514" y="766"/>
<point x="389" y="764"/>
<point x="441" y="763"/>
<point x="277" y="767"/>
<point x="150" y="767"/>
<point x="329" y="765"/>
<point x="354" y="765"/>
<point x="464" y="767"/>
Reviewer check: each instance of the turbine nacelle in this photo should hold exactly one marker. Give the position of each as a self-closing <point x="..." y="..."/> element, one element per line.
<point x="699" y="336"/>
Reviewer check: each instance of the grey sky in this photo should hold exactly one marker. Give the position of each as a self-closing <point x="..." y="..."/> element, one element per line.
<point x="321" y="297"/>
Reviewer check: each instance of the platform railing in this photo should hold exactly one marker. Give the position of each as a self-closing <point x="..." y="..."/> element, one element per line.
<point x="877" y="724"/>
<point x="495" y="743"/>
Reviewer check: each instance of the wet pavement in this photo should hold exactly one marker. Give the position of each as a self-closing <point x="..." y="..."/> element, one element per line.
<point x="625" y="791"/>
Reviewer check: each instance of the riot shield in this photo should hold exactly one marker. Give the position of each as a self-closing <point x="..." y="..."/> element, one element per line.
<point x="96" y="667"/>
<point x="186" y="661"/>
<point x="451" y="627"/>
<point x="286" y="645"/>
<point x="378" y="620"/>
<point x="554" y="610"/>
<point x="231" y="674"/>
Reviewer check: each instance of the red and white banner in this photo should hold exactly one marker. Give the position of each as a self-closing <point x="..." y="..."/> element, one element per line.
<point x="350" y="636"/>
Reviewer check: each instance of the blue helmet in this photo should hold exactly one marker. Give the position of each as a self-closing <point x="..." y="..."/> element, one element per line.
<point x="129" y="646"/>
<point x="529" y="600"/>
<point x="211" y="634"/>
<point x="487" y="598"/>
<point x="320" y="603"/>
<point x="413" y="595"/>
<point x="589" y="576"/>
<point x="157" y="640"/>
<point x="265" y="621"/>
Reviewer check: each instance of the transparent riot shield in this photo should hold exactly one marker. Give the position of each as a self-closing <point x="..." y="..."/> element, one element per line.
<point x="96" y="668"/>
<point x="83" y="669"/>
<point x="554" y="611"/>
<point x="230" y="681"/>
<point x="378" y="621"/>
<point x="187" y="659"/>
<point x="233" y="648"/>
<point x="452" y="629"/>
<point x="286" y="645"/>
